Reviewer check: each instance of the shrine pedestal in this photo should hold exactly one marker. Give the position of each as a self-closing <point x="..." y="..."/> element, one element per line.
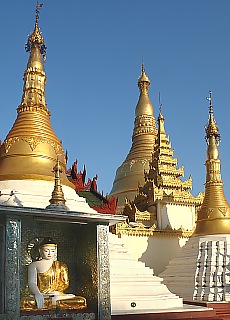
<point x="201" y="270"/>
<point x="64" y="316"/>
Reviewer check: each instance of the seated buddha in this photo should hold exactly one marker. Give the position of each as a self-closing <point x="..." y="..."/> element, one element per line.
<point x="47" y="281"/>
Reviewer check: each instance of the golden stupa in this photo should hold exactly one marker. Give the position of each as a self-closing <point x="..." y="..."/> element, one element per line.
<point x="214" y="214"/>
<point x="31" y="148"/>
<point x="131" y="173"/>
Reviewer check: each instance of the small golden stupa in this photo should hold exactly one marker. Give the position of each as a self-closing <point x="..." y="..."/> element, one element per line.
<point x="31" y="148"/>
<point x="214" y="214"/>
<point x="57" y="201"/>
<point x="131" y="172"/>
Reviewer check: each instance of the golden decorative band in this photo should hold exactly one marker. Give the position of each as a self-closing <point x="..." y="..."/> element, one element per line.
<point x="48" y="245"/>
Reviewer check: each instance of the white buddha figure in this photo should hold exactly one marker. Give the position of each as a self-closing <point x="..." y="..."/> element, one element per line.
<point x="47" y="280"/>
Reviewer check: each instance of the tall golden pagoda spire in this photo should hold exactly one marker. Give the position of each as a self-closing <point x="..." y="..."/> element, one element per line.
<point x="131" y="172"/>
<point x="214" y="215"/>
<point x="31" y="147"/>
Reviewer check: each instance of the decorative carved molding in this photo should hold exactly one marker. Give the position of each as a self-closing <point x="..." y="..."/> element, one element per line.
<point x="104" y="307"/>
<point x="76" y="316"/>
<point x="139" y="230"/>
<point x="33" y="142"/>
<point x="33" y="108"/>
<point x="8" y="143"/>
<point x="12" y="293"/>
<point x="144" y="124"/>
<point x="223" y="210"/>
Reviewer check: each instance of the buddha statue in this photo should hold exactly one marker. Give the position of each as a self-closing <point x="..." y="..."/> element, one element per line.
<point x="47" y="281"/>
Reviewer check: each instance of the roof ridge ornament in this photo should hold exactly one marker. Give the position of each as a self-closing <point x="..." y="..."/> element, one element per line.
<point x="160" y="117"/>
<point x="35" y="36"/>
<point x="160" y="104"/>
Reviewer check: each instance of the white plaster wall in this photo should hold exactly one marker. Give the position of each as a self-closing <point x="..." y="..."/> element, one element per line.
<point x="155" y="251"/>
<point x="175" y="216"/>
<point x="136" y="245"/>
<point x="37" y="193"/>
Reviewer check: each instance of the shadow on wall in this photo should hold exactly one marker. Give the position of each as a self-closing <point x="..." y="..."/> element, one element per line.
<point x="159" y="252"/>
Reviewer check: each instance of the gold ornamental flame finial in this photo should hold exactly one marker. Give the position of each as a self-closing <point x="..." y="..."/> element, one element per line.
<point x="214" y="214"/>
<point x="35" y="36"/>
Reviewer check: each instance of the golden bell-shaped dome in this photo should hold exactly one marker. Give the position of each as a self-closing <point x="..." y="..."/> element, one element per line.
<point x="214" y="214"/>
<point x="31" y="148"/>
<point x="131" y="172"/>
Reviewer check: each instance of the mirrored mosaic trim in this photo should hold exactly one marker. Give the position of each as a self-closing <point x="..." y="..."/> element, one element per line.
<point x="79" y="316"/>
<point x="104" y="306"/>
<point x="13" y="239"/>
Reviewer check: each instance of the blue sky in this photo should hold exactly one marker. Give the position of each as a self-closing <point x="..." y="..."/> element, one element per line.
<point x="94" y="53"/>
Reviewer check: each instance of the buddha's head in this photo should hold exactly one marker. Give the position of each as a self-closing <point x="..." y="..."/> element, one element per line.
<point x="48" y="249"/>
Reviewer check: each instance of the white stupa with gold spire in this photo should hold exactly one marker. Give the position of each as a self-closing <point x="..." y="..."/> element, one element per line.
<point x="201" y="271"/>
<point x="31" y="148"/>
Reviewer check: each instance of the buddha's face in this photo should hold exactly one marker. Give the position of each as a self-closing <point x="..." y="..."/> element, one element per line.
<point x="48" y="252"/>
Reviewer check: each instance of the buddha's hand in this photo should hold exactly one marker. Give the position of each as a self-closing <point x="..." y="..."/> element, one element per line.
<point x="54" y="293"/>
<point x="40" y="300"/>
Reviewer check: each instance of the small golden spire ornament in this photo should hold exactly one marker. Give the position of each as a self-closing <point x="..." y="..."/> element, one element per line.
<point x="57" y="201"/>
<point x="144" y="105"/>
<point x="214" y="214"/>
<point x="160" y="117"/>
<point x="143" y="80"/>
<point x="161" y="128"/>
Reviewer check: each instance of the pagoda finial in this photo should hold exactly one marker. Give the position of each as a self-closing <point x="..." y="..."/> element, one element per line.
<point x="161" y="129"/>
<point x="143" y="66"/>
<point x="210" y="98"/>
<point x="160" y="104"/>
<point x="35" y="36"/>
<point x="34" y="86"/>
<point x="143" y="80"/>
<point x="211" y="128"/>
<point x="144" y="105"/>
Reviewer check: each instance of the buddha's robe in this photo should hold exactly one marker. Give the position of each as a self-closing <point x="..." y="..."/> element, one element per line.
<point x="54" y="279"/>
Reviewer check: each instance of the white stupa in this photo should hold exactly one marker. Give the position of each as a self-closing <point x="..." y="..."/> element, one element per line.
<point x="31" y="148"/>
